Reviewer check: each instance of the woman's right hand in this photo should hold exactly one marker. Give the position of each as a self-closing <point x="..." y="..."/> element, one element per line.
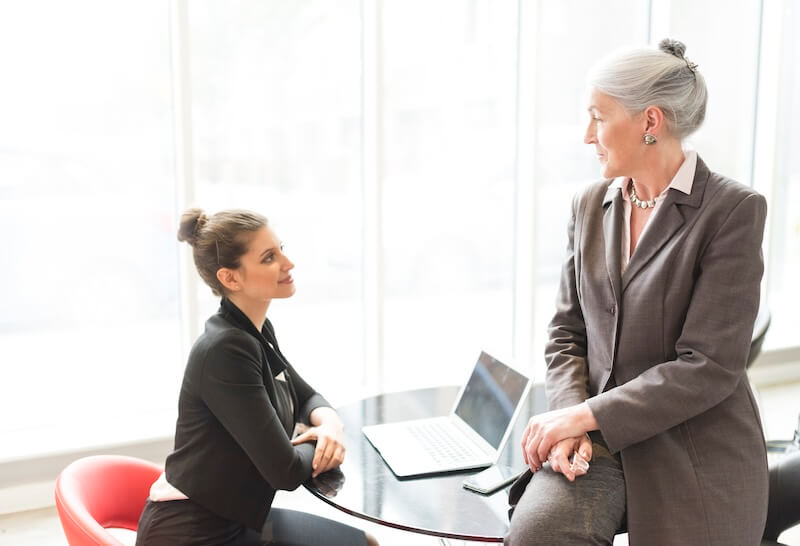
<point x="563" y="450"/>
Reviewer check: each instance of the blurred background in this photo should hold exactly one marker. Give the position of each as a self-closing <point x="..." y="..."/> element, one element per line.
<point x="417" y="158"/>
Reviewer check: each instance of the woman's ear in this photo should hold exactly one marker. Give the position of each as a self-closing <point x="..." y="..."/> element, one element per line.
<point x="228" y="278"/>
<point x="654" y="120"/>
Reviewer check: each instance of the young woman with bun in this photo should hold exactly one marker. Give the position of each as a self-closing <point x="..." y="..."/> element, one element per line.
<point x="239" y="403"/>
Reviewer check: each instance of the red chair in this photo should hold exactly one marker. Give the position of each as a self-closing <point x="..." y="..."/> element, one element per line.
<point x="101" y="491"/>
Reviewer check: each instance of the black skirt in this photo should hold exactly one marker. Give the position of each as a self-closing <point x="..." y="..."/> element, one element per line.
<point x="185" y="523"/>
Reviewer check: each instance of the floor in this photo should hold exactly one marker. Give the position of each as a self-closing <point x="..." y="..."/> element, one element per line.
<point x="779" y="406"/>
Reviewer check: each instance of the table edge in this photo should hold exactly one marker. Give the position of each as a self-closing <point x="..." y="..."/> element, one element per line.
<point x="440" y="534"/>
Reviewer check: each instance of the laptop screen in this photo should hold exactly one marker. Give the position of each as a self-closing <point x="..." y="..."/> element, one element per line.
<point x="490" y="398"/>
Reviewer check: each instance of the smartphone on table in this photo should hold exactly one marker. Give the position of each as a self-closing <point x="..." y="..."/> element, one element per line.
<point x="491" y="479"/>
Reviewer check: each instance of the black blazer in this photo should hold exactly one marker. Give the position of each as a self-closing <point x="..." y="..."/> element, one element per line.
<point x="232" y="437"/>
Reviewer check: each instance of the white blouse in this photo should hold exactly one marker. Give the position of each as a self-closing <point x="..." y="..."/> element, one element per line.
<point x="682" y="181"/>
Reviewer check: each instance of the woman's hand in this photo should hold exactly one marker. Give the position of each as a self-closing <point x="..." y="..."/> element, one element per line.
<point x="328" y="432"/>
<point x="563" y="450"/>
<point x="547" y="429"/>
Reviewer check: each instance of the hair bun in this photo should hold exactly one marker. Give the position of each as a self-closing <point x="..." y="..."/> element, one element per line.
<point x="673" y="47"/>
<point x="192" y="221"/>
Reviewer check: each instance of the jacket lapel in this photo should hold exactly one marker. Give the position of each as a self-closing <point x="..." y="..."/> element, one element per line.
<point x="612" y="235"/>
<point x="667" y="222"/>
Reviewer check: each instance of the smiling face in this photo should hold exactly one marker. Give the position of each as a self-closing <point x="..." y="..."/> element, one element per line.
<point x="264" y="271"/>
<point x="616" y="135"/>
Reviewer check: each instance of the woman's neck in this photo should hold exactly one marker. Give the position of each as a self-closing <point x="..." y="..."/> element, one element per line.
<point x="658" y="170"/>
<point x="256" y="311"/>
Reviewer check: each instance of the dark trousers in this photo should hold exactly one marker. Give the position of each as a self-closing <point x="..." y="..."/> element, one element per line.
<point x="184" y="523"/>
<point x="549" y="509"/>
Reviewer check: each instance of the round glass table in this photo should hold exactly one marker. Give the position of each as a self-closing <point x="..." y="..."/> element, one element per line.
<point x="438" y="505"/>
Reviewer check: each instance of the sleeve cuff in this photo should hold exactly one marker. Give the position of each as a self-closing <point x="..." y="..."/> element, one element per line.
<point x="306" y="453"/>
<point x="600" y="409"/>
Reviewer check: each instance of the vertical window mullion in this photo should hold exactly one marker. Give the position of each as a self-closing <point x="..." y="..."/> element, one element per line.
<point x="525" y="246"/>
<point x="766" y="119"/>
<point x="372" y="191"/>
<point x="184" y="167"/>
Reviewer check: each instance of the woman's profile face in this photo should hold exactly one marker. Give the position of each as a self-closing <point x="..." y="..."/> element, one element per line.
<point x="264" y="271"/>
<point x="616" y="135"/>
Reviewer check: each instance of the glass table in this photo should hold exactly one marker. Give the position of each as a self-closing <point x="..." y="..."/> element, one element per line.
<point x="366" y="488"/>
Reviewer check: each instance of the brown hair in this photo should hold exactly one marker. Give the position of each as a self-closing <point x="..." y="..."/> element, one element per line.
<point x="218" y="241"/>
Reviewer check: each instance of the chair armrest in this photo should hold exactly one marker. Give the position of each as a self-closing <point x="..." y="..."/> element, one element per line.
<point x="784" y="495"/>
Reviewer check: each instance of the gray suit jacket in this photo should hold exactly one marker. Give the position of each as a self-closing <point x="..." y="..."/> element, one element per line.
<point x="675" y="331"/>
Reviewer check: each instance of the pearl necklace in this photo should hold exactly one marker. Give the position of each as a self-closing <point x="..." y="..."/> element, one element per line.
<point x="638" y="202"/>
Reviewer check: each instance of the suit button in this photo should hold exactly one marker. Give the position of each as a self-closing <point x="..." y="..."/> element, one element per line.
<point x="612" y="309"/>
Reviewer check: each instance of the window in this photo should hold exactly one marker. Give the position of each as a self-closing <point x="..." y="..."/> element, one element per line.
<point x="448" y="122"/>
<point x="89" y="319"/>
<point x="479" y="109"/>
<point x="276" y="103"/>
<point x="727" y="55"/>
<point x="783" y="268"/>
<point x="566" y="48"/>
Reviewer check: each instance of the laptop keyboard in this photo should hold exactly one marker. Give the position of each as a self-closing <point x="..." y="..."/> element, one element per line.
<point x="441" y="442"/>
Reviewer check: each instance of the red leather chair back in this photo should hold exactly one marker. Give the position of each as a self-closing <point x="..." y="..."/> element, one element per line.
<point x="102" y="491"/>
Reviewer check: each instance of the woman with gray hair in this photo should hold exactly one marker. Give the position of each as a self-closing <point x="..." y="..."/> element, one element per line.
<point x="648" y="344"/>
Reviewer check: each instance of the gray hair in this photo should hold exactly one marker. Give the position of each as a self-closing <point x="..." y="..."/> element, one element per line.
<point x="660" y="77"/>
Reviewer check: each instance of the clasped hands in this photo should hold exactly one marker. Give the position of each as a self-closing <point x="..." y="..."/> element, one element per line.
<point x="554" y="436"/>
<point x="329" y="451"/>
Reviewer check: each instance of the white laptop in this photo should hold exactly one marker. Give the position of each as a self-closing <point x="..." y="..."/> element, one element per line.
<point x="471" y="436"/>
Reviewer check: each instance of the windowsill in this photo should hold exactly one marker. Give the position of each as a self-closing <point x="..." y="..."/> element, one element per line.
<point x="33" y="459"/>
<point x="87" y="433"/>
<point x="28" y="483"/>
